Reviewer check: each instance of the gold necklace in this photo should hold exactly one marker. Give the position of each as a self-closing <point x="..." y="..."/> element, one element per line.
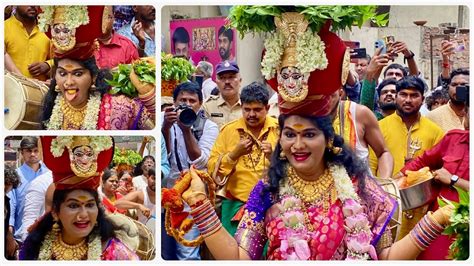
<point x="63" y="251"/>
<point x="319" y="192"/>
<point x="255" y="156"/>
<point x="73" y="117"/>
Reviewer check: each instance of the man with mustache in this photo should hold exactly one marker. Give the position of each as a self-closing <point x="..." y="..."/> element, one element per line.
<point x="141" y="31"/>
<point x="225" y="38"/>
<point x="387" y="93"/>
<point x="242" y="152"/>
<point x="225" y="107"/>
<point x="26" y="45"/>
<point x="407" y="135"/>
<point x="451" y="116"/>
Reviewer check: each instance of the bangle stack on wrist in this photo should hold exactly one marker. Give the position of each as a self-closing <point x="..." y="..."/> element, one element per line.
<point x="425" y="232"/>
<point x="446" y="65"/>
<point x="205" y="218"/>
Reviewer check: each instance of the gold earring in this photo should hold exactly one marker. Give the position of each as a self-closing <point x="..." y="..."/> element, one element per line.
<point x="56" y="227"/>
<point x="56" y="88"/>
<point x="282" y="156"/>
<point x="334" y="150"/>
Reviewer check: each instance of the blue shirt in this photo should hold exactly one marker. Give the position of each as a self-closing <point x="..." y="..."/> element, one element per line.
<point x="165" y="165"/>
<point x="17" y="195"/>
<point x="128" y="32"/>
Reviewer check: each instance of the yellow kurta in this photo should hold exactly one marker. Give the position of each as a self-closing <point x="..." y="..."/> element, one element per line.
<point x="395" y="134"/>
<point x="248" y="169"/>
<point x="25" y="49"/>
<point x="446" y="118"/>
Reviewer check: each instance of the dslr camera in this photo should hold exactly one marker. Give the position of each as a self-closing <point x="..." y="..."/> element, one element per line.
<point x="187" y="116"/>
<point x="462" y="94"/>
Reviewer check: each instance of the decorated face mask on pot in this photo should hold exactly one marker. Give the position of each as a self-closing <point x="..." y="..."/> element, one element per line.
<point x="63" y="37"/>
<point x="83" y="160"/>
<point x="292" y="84"/>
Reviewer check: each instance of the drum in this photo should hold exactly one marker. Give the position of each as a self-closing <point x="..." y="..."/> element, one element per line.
<point x="23" y="101"/>
<point x="391" y="188"/>
<point x="146" y="244"/>
<point x="134" y="234"/>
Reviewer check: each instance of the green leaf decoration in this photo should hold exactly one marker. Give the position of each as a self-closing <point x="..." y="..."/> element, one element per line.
<point x="175" y="68"/>
<point x="459" y="226"/>
<point x="260" y="19"/>
<point x="128" y="157"/>
<point x="121" y="83"/>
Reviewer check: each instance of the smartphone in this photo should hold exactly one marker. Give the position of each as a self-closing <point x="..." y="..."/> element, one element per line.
<point x="358" y="53"/>
<point x="381" y="44"/>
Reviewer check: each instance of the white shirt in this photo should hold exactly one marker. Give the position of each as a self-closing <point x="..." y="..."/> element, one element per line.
<point x="150" y="205"/>
<point x="35" y="201"/>
<point x="207" y="86"/>
<point x="205" y="144"/>
<point x="140" y="182"/>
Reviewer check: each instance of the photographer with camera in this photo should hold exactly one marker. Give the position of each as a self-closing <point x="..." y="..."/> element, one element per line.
<point x="451" y="116"/>
<point x="189" y="137"/>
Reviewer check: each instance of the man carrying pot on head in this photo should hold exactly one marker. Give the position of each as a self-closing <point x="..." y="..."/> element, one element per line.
<point x="189" y="137"/>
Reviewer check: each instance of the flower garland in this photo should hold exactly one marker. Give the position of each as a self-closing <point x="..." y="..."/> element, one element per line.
<point x="97" y="143"/>
<point x="274" y="47"/>
<point x="90" y="119"/>
<point x="94" y="249"/>
<point x="309" y="53"/>
<point x="74" y="17"/>
<point x="356" y="223"/>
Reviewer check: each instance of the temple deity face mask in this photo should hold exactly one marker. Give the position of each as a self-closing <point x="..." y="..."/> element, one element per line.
<point x="292" y="84"/>
<point x="62" y="37"/>
<point x="83" y="161"/>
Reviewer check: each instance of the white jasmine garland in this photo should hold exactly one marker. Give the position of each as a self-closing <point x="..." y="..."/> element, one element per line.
<point x="342" y="181"/>
<point x="92" y="112"/>
<point x="97" y="143"/>
<point x="59" y="143"/>
<point x="46" y="249"/>
<point x="56" y="119"/>
<point x="310" y="52"/>
<point x="74" y="17"/>
<point x="274" y="48"/>
<point x="94" y="250"/>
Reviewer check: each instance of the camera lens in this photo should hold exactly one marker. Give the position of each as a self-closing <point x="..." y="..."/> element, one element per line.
<point x="187" y="116"/>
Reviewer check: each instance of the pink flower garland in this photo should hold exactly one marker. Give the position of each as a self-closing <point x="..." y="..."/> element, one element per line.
<point x="358" y="232"/>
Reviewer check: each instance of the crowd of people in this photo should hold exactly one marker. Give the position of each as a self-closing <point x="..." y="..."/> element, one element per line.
<point x="78" y="195"/>
<point x="281" y="163"/>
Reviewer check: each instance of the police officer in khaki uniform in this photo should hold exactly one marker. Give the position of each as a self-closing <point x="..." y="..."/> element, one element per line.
<point x="226" y="106"/>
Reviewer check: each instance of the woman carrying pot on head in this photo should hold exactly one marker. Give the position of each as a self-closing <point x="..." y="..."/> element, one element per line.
<point x="77" y="97"/>
<point x="77" y="227"/>
<point x="317" y="201"/>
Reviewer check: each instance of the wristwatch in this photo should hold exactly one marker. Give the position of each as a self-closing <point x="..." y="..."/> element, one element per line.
<point x="454" y="179"/>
